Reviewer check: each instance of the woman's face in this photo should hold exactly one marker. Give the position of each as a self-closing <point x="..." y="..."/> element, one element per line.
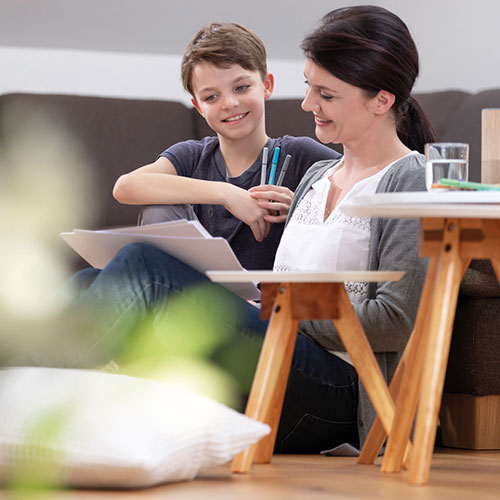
<point x="342" y="112"/>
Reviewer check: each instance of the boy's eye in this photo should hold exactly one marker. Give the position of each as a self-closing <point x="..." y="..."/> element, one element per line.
<point x="210" y="97"/>
<point x="241" y="88"/>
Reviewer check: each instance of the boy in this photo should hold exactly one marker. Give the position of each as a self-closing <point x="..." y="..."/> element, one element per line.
<point x="224" y="69"/>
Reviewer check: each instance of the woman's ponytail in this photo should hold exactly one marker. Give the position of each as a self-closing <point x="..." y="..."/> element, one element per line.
<point x="413" y="127"/>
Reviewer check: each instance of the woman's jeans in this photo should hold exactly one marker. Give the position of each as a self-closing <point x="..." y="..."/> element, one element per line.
<point x="319" y="410"/>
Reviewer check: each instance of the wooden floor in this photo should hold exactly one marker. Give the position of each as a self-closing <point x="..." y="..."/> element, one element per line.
<point x="455" y="474"/>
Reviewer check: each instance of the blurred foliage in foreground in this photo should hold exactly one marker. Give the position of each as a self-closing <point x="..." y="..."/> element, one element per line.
<point x="45" y="189"/>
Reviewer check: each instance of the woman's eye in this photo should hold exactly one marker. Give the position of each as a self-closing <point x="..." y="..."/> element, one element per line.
<point x="326" y="97"/>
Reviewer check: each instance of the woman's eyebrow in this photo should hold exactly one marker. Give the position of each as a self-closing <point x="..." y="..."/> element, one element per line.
<point x="320" y="87"/>
<point x="328" y="89"/>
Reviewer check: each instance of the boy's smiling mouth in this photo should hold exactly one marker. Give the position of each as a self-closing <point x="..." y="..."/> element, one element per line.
<point x="235" y="118"/>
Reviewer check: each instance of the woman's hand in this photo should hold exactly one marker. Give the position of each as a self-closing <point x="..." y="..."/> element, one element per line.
<point x="244" y="207"/>
<point x="276" y="199"/>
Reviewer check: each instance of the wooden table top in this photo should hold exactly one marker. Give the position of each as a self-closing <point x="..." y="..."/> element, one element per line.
<point x="302" y="277"/>
<point x="460" y="204"/>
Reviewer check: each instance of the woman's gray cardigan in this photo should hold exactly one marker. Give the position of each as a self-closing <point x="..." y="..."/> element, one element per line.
<point x="389" y="312"/>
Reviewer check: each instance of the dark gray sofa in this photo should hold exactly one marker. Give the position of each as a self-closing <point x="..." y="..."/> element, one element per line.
<point x="122" y="134"/>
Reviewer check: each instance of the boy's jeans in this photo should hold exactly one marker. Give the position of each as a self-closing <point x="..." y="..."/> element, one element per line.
<point x="319" y="411"/>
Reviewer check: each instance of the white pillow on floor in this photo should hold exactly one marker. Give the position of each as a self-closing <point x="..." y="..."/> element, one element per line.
<point x="106" y="430"/>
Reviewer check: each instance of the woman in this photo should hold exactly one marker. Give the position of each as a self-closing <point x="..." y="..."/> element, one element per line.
<point x="361" y="63"/>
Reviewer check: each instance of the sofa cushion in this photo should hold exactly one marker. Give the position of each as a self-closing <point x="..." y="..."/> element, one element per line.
<point x="480" y="280"/>
<point x="118" y="135"/>
<point x="473" y="366"/>
<point x="440" y="108"/>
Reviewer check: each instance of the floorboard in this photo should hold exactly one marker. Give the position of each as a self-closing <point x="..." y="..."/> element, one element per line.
<point x="455" y="474"/>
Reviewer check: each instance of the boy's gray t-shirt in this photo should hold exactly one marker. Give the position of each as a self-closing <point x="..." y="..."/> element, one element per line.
<point x="203" y="160"/>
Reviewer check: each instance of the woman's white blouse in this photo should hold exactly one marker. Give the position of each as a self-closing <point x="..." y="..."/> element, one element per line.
<point x="340" y="243"/>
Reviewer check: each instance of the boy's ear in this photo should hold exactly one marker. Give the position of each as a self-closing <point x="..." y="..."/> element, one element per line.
<point x="383" y="102"/>
<point x="196" y="105"/>
<point x="268" y="85"/>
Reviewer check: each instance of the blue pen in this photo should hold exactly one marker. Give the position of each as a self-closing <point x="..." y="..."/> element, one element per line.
<point x="274" y="165"/>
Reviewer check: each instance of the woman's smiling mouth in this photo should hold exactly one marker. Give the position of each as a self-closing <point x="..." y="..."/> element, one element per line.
<point x="321" y="121"/>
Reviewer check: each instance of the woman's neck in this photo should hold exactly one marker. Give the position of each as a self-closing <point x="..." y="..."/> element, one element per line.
<point x="362" y="160"/>
<point x="373" y="153"/>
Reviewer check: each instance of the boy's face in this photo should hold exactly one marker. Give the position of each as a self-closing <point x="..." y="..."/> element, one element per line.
<point x="231" y="99"/>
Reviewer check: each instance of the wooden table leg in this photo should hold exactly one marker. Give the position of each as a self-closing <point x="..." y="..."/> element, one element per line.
<point x="441" y="323"/>
<point x="357" y="346"/>
<point x="407" y="400"/>
<point x="376" y="436"/>
<point x="269" y="385"/>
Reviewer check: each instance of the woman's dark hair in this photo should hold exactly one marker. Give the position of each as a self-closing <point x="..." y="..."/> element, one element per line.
<point x="372" y="48"/>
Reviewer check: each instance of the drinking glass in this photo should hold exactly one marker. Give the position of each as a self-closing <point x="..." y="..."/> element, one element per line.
<point x="445" y="160"/>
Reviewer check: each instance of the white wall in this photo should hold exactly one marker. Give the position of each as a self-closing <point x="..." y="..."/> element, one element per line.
<point x="457" y="39"/>
<point x="147" y="76"/>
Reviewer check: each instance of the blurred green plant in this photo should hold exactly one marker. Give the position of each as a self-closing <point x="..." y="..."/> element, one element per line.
<point x="44" y="187"/>
<point x="34" y="474"/>
<point x="187" y="342"/>
<point x="181" y="343"/>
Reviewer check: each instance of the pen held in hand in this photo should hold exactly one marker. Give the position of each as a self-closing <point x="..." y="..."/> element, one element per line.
<point x="274" y="165"/>
<point x="284" y="168"/>
<point x="263" y="171"/>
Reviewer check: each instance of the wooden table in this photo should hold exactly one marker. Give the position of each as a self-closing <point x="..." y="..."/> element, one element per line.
<point x="455" y="228"/>
<point x="288" y="297"/>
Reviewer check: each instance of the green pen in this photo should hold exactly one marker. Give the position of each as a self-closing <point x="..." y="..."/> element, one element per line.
<point x="476" y="186"/>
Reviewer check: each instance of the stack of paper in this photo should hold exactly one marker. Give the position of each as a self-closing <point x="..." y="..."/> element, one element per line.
<point x="186" y="240"/>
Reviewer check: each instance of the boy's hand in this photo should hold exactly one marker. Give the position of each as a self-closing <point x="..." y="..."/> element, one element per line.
<point x="276" y="199"/>
<point x="244" y="207"/>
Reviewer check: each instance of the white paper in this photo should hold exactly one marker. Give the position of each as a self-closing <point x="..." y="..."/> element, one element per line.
<point x="203" y="254"/>
<point x="171" y="228"/>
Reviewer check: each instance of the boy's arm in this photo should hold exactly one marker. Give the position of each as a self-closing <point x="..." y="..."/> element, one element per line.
<point x="276" y="199"/>
<point x="159" y="184"/>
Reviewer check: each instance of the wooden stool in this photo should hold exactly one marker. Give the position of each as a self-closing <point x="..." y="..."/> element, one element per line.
<point x="286" y="299"/>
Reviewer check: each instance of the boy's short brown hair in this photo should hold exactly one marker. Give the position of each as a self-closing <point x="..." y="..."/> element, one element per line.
<point x="223" y="44"/>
